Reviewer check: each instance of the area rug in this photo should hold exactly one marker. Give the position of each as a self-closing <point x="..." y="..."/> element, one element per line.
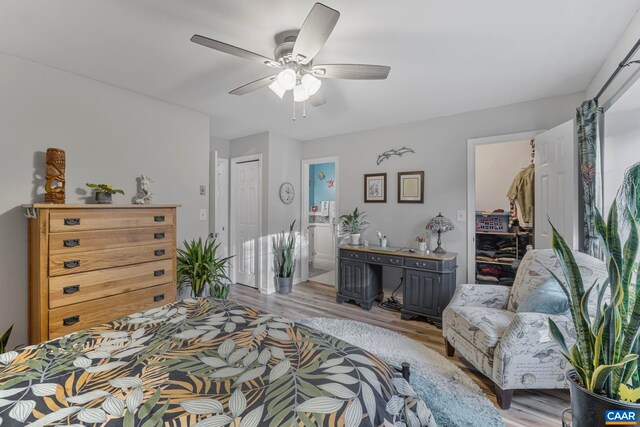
<point x="454" y="399"/>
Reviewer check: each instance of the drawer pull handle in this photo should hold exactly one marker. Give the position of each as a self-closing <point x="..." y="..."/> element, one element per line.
<point x="421" y="264"/>
<point x="72" y="264"/>
<point x="71" y="289"/>
<point x="159" y="252"/>
<point x="158" y="298"/>
<point x="158" y="273"/>
<point x="72" y="221"/>
<point x="71" y="243"/>
<point x="70" y="320"/>
<point x="158" y="218"/>
<point x="158" y="236"/>
<point x="394" y="261"/>
<point x="375" y="258"/>
<point x="353" y="255"/>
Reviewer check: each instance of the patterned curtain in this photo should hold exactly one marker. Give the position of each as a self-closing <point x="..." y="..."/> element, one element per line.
<point x="587" y="118"/>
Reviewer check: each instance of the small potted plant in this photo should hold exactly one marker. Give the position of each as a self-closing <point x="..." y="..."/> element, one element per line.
<point x="353" y="224"/>
<point x="284" y="259"/>
<point x="104" y="193"/>
<point x="605" y="354"/>
<point x="199" y="268"/>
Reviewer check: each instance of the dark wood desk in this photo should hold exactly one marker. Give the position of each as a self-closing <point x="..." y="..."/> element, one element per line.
<point x="429" y="280"/>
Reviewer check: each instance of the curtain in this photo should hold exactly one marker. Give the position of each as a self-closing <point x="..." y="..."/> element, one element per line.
<point x="587" y="118"/>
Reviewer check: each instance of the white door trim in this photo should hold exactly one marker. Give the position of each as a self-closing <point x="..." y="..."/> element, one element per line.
<point x="471" y="190"/>
<point x="232" y="220"/>
<point x="304" y="211"/>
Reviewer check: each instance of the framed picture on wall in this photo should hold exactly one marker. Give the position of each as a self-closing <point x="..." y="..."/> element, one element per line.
<point x="411" y="187"/>
<point x="375" y="188"/>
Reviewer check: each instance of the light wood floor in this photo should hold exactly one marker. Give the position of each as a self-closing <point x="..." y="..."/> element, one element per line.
<point x="529" y="408"/>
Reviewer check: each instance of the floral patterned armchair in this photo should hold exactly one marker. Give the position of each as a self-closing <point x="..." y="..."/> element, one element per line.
<point x="513" y="349"/>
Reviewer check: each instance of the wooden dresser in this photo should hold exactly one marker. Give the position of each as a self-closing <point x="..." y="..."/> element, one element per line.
<point x="91" y="264"/>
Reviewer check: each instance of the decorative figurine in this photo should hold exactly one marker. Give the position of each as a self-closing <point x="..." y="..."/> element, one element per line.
<point x="54" y="175"/>
<point x="144" y="195"/>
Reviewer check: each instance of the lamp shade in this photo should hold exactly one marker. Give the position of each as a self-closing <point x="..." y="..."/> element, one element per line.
<point x="440" y="224"/>
<point x="277" y="89"/>
<point x="287" y="79"/>
<point x="300" y="94"/>
<point x="311" y="84"/>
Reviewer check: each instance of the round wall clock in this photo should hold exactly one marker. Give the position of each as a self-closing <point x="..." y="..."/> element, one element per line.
<point x="287" y="193"/>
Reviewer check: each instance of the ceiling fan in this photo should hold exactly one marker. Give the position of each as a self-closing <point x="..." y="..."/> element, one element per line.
<point x="294" y="56"/>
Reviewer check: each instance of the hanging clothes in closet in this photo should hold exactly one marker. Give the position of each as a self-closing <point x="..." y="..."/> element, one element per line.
<point x="521" y="193"/>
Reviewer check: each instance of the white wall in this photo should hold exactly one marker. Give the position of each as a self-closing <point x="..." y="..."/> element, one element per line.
<point x="441" y="152"/>
<point x="621" y="149"/>
<point x="109" y="135"/>
<point x="496" y="166"/>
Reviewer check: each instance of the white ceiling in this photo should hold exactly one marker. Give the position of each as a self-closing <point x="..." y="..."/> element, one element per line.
<point x="446" y="56"/>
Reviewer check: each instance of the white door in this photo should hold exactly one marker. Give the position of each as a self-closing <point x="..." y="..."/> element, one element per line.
<point x="221" y="227"/>
<point x="246" y="219"/>
<point x="556" y="185"/>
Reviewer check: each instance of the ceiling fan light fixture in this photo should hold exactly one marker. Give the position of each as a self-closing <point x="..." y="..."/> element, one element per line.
<point x="300" y="93"/>
<point x="277" y="89"/>
<point x="287" y="79"/>
<point x="311" y="84"/>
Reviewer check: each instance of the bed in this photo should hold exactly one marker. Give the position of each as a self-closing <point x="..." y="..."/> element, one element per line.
<point x="203" y="362"/>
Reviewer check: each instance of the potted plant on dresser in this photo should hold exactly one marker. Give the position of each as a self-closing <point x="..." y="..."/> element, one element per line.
<point x="284" y="259"/>
<point x="200" y="269"/>
<point x="353" y="224"/>
<point x="104" y="193"/>
<point x="604" y="357"/>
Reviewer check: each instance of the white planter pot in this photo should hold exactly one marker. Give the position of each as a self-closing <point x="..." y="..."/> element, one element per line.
<point x="355" y="239"/>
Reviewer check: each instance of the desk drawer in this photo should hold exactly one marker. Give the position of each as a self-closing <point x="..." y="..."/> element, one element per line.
<point x="422" y="264"/>
<point x="80" y="241"/>
<point x="353" y="255"/>
<point x="78" y="262"/>
<point x="81" y="287"/>
<point x="385" y="259"/>
<point x="107" y="219"/>
<point x="65" y="320"/>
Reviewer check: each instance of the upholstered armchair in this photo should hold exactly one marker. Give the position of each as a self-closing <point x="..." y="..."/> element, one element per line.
<point x="514" y="349"/>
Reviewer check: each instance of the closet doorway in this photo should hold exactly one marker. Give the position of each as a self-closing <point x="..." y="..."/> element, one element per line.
<point x="319" y="221"/>
<point x="515" y="184"/>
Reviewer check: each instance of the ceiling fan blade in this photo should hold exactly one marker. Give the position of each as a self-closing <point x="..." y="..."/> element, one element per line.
<point x="317" y="99"/>
<point x="351" y="71"/>
<point x="233" y="50"/>
<point x="315" y="31"/>
<point x="255" y="85"/>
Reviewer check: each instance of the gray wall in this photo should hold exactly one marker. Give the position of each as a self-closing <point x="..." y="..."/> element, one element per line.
<point x="220" y="145"/>
<point x="441" y="152"/>
<point x="110" y="135"/>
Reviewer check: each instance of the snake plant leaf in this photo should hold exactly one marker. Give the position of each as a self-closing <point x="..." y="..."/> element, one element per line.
<point x="602" y="372"/>
<point x="559" y="338"/>
<point x="628" y="394"/>
<point x="630" y="253"/>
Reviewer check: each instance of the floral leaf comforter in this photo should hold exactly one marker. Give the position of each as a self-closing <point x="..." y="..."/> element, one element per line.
<point x="203" y="362"/>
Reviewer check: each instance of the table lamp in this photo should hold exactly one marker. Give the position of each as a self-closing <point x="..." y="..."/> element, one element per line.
<point x="440" y="224"/>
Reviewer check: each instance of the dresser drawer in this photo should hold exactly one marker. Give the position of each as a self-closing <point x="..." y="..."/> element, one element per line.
<point x="81" y="287"/>
<point x="107" y="219"/>
<point x="78" y="262"/>
<point x="354" y="255"/>
<point x="384" y="259"/>
<point x="65" y="320"/>
<point x="425" y="264"/>
<point x="80" y="241"/>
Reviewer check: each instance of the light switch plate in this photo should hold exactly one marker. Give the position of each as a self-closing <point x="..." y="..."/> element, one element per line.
<point x="203" y="214"/>
<point x="462" y="216"/>
<point x="203" y="190"/>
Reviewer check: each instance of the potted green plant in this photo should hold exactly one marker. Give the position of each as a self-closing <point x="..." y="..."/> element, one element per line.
<point x="353" y="224"/>
<point x="284" y="259"/>
<point x="605" y="355"/>
<point x="200" y="267"/>
<point x="104" y="193"/>
<point x="4" y="339"/>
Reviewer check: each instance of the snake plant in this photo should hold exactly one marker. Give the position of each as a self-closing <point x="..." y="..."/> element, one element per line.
<point x="4" y="339"/>
<point x="605" y="355"/>
<point x="199" y="266"/>
<point x="284" y="247"/>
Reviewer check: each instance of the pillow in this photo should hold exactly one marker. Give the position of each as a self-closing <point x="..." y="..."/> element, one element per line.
<point x="549" y="298"/>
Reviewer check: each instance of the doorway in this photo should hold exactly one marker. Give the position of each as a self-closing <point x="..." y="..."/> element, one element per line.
<point x="221" y="197"/>
<point x="319" y="221"/>
<point x="246" y="219"/>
